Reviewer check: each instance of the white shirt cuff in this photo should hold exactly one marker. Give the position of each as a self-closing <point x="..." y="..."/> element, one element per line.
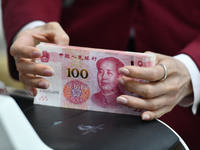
<point x="195" y="78"/>
<point x="32" y="24"/>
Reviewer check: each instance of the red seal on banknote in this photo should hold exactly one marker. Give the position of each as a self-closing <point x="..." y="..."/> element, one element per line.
<point x="76" y="92"/>
<point x="45" y="56"/>
<point x="140" y="63"/>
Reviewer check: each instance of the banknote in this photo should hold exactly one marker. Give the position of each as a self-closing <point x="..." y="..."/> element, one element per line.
<point x="86" y="78"/>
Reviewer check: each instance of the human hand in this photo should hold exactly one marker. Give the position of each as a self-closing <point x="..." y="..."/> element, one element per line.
<point x="24" y="52"/>
<point x="157" y="97"/>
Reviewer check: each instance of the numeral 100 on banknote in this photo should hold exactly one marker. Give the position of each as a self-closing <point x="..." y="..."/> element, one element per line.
<point x="74" y="72"/>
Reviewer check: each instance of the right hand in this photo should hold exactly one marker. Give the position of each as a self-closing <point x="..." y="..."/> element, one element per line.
<point x="24" y="52"/>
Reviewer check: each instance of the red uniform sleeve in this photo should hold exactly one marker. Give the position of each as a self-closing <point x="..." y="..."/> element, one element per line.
<point x="17" y="13"/>
<point x="193" y="50"/>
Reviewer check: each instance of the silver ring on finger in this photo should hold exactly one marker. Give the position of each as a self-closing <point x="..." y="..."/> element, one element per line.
<point x="165" y="72"/>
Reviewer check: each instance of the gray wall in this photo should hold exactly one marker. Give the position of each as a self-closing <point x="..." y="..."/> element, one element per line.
<point x="4" y="73"/>
<point x="2" y="40"/>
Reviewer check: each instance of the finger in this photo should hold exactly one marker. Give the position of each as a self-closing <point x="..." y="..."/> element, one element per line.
<point x="154" y="73"/>
<point x="32" y="90"/>
<point x="147" y="104"/>
<point x="28" y="39"/>
<point x="34" y="81"/>
<point x="24" y="46"/>
<point x="26" y="66"/>
<point x="144" y="89"/>
<point x="55" y="33"/>
<point x="22" y="51"/>
<point x="150" y="115"/>
<point x="155" y="107"/>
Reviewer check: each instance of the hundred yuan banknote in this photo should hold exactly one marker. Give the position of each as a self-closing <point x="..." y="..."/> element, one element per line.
<point x="86" y="78"/>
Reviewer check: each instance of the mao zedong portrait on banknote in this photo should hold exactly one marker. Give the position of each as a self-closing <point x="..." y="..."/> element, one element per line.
<point x="107" y="76"/>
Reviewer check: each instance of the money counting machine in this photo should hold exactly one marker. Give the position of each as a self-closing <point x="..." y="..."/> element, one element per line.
<point x="45" y="127"/>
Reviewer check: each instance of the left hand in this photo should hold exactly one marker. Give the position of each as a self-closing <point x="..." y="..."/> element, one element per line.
<point x="157" y="97"/>
<point x="24" y="52"/>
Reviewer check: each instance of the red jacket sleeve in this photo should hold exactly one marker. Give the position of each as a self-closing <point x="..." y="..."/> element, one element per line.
<point x="17" y="13"/>
<point x="193" y="50"/>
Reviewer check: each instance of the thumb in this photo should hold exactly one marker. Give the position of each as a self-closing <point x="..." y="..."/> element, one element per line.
<point x="52" y="32"/>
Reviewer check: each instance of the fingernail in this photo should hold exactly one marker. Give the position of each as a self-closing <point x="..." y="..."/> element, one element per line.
<point x="122" y="100"/>
<point x="124" y="71"/>
<point x="48" y="72"/>
<point x="36" y="54"/>
<point x="43" y="84"/>
<point x="120" y="80"/>
<point x="145" y="117"/>
<point x="31" y="92"/>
